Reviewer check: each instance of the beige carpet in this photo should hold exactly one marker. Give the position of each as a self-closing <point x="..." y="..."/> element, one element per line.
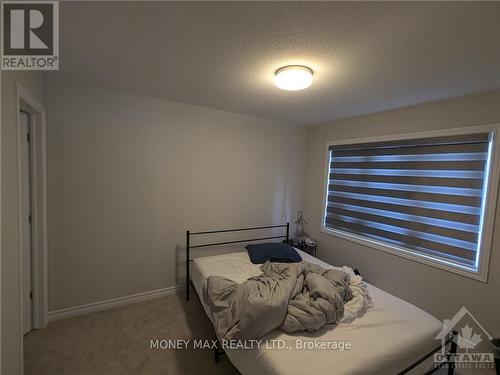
<point x="118" y="342"/>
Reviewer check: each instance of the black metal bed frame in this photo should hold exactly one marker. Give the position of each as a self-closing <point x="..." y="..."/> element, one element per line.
<point x="189" y="246"/>
<point x="450" y="355"/>
<point x="451" y="340"/>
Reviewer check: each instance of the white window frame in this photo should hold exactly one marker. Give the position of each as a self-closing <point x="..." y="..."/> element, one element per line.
<point x="488" y="215"/>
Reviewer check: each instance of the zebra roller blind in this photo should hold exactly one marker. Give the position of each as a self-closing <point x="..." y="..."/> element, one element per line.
<point x="424" y="195"/>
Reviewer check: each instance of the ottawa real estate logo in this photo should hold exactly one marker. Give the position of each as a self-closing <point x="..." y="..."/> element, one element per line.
<point x="472" y="342"/>
<point x="30" y="35"/>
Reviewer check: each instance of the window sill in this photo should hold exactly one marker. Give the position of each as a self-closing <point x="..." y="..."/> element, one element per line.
<point x="479" y="275"/>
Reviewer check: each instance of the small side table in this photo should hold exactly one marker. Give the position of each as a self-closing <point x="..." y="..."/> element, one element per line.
<point x="311" y="250"/>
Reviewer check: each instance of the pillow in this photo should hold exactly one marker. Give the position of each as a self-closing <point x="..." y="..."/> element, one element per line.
<point x="272" y="251"/>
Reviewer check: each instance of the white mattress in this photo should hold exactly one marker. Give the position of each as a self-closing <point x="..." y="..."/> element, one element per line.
<point x="386" y="339"/>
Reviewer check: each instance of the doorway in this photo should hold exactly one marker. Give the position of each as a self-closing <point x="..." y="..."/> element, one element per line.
<point x="32" y="215"/>
<point x="32" y="209"/>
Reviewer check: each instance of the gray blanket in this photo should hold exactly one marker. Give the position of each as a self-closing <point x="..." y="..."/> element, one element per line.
<point x="291" y="296"/>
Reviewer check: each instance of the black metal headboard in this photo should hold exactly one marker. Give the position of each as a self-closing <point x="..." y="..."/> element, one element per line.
<point x="189" y="247"/>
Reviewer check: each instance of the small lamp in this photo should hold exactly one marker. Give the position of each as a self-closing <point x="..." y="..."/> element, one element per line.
<point x="300" y="226"/>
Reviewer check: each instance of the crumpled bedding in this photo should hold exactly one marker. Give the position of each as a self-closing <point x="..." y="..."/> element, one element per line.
<point x="290" y="296"/>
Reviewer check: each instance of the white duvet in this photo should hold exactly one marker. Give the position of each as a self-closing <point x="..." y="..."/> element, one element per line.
<point x="361" y="299"/>
<point x="386" y="335"/>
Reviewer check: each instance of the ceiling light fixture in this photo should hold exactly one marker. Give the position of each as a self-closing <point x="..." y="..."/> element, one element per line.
<point x="294" y="77"/>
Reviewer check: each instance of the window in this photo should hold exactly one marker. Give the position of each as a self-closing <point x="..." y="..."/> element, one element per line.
<point x="424" y="198"/>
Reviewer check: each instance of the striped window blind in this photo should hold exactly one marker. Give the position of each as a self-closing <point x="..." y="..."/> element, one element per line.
<point x="423" y="195"/>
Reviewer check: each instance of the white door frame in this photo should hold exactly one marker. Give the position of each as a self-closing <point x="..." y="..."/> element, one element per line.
<point x="27" y="102"/>
<point x="25" y="230"/>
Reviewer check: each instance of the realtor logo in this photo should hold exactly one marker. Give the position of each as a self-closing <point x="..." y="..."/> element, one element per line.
<point x="30" y="35"/>
<point x="470" y="334"/>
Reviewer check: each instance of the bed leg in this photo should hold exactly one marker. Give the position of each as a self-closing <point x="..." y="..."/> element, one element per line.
<point x="453" y="351"/>
<point x="216" y="352"/>
<point x="187" y="265"/>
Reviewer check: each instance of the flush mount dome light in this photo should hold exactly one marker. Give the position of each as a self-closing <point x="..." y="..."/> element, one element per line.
<point x="294" y="77"/>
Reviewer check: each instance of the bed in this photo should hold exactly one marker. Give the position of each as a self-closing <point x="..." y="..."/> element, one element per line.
<point x="392" y="337"/>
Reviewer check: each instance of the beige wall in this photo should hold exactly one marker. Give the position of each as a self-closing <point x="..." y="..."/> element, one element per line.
<point x="10" y="283"/>
<point x="439" y="292"/>
<point x="128" y="175"/>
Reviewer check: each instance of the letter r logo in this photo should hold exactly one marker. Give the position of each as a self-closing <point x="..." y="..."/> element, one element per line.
<point x="18" y="29"/>
<point x="28" y="28"/>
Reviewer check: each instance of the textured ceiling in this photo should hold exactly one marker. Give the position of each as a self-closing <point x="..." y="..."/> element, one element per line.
<point x="366" y="56"/>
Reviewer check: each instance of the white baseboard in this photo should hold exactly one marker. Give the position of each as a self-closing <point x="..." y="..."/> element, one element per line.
<point x="112" y="303"/>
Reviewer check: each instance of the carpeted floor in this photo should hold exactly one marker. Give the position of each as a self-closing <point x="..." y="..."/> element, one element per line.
<point x="118" y="342"/>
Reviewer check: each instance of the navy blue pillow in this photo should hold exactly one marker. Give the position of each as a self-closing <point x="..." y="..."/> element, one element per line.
<point x="272" y="251"/>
